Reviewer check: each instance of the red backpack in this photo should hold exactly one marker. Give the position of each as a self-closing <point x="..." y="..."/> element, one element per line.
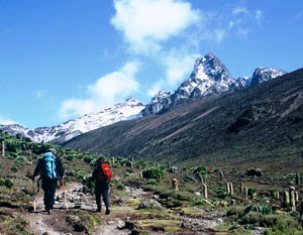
<point x="106" y="173"/>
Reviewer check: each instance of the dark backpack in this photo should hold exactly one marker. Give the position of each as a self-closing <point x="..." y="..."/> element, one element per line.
<point x="49" y="166"/>
<point x="105" y="173"/>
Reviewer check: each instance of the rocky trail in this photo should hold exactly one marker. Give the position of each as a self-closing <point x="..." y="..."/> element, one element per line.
<point x="124" y="219"/>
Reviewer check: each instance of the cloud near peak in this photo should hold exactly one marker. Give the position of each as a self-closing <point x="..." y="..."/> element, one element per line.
<point x="106" y="91"/>
<point x="6" y="121"/>
<point x="146" y="23"/>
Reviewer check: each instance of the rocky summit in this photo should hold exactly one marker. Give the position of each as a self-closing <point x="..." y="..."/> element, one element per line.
<point x="209" y="77"/>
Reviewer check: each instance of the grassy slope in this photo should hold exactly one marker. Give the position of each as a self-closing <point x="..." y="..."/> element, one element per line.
<point x="259" y="209"/>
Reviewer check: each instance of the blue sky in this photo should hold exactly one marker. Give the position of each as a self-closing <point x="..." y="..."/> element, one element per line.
<point x="60" y="59"/>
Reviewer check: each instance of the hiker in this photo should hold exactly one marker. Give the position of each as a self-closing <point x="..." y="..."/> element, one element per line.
<point x="50" y="169"/>
<point x="102" y="177"/>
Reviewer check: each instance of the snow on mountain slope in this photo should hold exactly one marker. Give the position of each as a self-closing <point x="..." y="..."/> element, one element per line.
<point x="263" y="74"/>
<point x="131" y="109"/>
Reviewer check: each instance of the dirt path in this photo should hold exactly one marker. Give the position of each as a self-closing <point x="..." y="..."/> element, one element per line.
<point x="40" y="222"/>
<point x="54" y="224"/>
<point x="115" y="224"/>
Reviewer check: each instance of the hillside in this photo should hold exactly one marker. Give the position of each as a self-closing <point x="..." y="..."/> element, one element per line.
<point x="256" y="124"/>
<point x="146" y="197"/>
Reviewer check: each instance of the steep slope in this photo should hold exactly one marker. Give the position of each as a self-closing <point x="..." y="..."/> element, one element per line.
<point x="256" y="123"/>
<point x="130" y="109"/>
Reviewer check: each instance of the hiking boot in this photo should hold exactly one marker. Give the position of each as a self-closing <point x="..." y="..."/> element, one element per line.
<point x="107" y="212"/>
<point x="49" y="212"/>
<point x="98" y="210"/>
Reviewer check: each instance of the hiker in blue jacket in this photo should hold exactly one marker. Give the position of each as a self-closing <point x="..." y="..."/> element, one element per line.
<point x="50" y="169"/>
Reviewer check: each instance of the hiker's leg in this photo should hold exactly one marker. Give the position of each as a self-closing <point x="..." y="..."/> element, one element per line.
<point x="45" y="186"/>
<point x="105" y="195"/>
<point x="98" y="197"/>
<point x="49" y="187"/>
<point x="52" y="191"/>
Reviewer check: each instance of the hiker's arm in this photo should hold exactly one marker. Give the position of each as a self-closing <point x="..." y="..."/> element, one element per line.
<point x="60" y="168"/>
<point x="37" y="169"/>
<point x="95" y="174"/>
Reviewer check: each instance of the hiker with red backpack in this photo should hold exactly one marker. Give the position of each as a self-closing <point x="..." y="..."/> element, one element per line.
<point x="51" y="170"/>
<point x="102" y="176"/>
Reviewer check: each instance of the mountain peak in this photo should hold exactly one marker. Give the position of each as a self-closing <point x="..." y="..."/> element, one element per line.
<point x="131" y="100"/>
<point x="264" y="74"/>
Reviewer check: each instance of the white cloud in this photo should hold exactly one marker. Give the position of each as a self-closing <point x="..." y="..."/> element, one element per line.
<point x="6" y="121"/>
<point x="178" y="65"/>
<point x="258" y="15"/>
<point x="106" y="91"/>
<point x="240" y="10"/>
<point x="147" y="23"/>
<point x="155" y="88"/>
<point x="219" y="34"/>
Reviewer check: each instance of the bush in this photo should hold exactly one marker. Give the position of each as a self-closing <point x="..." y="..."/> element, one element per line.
<point x="153" y="173"/>
<point x="201" y="170"/>
<point x="254" y="172"/>
<point x="120" y="187"/>
<point x="221" y="192"/>
<point x="80" y="175"/>
<point x="264" y="210"/>
<point x="88" y="159"/>
<point x="252" y="192"/>
<point x="8" y="183"/>
<point x="14" y="169"/>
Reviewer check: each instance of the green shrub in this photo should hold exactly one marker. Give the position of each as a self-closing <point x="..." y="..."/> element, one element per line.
<point x="8" y="183"/>
<point x="276" y="224"/>
<point x="79" y="175"/>
<point x="14" y="169"/>
<point x="88" y="159"/>
<point x="221" y="192"/>
<point x="254" y="172"/>
<point x="201" y="170"/>
<point x="153" y="173"/>
<point x="252" y="192"/>
<point x="120" y="187"/>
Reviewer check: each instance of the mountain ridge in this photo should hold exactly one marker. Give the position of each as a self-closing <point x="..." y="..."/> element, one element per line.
<point x="130" y="109"/>
<point x="259" y="122"/>
<point x="209" y="77"/>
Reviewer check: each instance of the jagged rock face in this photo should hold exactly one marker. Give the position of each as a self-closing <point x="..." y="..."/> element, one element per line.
<point x="242" y="82"/>
<point x="262" y="74"/>
<point x="209" y="76"/>
<point x="130" y="109"/>
<point x="160" y="102"/>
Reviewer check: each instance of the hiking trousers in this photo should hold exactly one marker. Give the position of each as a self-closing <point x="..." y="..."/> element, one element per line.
<point x="49" y="186"/>
<point x="102" y="189"/>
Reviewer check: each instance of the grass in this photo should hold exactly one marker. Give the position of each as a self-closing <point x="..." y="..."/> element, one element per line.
<point x="261" y="208"/>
